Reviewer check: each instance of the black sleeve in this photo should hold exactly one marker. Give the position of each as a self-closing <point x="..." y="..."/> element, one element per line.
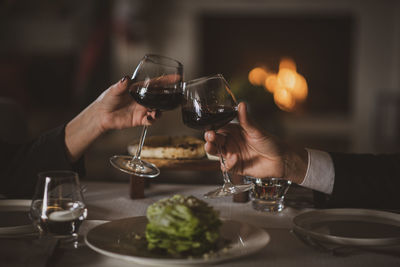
<point x="20" y="164"/>
<point x="364" y="181"/>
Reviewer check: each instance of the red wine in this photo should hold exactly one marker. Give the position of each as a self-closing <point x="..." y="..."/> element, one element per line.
<point x="206" y="120"/>
<point x="60" y="227"/>
<point x="62" y="218"/>
<point x="161" y="98"/>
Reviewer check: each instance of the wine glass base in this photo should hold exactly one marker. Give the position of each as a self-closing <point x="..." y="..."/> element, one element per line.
<point x="228" y="190"/>
<point x="134" y="166"/>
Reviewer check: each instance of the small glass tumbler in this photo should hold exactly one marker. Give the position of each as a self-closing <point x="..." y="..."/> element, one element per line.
<point x="268" y="193"/>
<point x="57" y="208"/>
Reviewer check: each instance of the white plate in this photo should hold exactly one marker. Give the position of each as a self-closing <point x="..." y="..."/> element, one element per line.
<point x="14" y="220"/>
<point x="243" y="239"/>
<point x="353" y="227"/>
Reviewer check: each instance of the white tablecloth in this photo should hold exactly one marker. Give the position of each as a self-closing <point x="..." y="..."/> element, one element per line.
<point x="110" y="201"/>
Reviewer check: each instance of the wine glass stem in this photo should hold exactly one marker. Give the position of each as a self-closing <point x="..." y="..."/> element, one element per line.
<point x="227" y="179"/>
<point x="141" y="142"/>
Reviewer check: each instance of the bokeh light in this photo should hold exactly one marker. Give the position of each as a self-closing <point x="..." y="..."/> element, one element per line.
<point x="284" y="99"/>
<point x="300" y="91"/>
<point x="288" y="86"/>
<point x="287" y="78"/>
<point x="287" y="63"/>
<point x="271" y="83"/>
<point x="257" y="76"/>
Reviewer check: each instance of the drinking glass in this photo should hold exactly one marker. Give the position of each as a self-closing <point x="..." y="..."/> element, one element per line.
<point x="268" y="194"/>
<point x="156" y="84"/>
<point x="58" y="208"/>
<point x="208" y="105"/>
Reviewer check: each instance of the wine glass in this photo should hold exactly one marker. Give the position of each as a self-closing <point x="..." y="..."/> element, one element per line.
<point x="57" y="207"/>
<point x="208" y="105"/>
<point x="156" y="84"/>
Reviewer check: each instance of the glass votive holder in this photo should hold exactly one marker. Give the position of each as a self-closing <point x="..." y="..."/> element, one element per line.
<point x="268" y="193"/>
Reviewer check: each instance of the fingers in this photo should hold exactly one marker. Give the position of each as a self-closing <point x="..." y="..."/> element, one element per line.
<point x="211" y="147"/>
<point x="243" y="116"/>
<point x="153" y="115"/>
<point x="230" y="162"/>
<point x="213" y="140"/>
<point x="209" y="136"/>
<point x="244" y="119"/>
<point x="121" y="87"/>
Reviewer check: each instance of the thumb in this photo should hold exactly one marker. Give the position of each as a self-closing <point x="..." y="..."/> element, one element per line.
<point x="244" y="119"/>
<point x="121" y="87"/>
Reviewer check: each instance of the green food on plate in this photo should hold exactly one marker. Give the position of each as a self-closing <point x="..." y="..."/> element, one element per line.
<point x="182" y="225"/>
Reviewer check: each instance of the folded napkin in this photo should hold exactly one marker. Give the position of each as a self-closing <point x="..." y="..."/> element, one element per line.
<point x="26" y="251"/>
<point x="32" y="251"/>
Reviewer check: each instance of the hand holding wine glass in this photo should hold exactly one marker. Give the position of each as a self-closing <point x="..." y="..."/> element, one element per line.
<point x="117" y="110"/>
<point x="208" y="105"/>
<point x="157" y="85"/>
<point x="113" y="109"/>
<point x="250" y="150"/>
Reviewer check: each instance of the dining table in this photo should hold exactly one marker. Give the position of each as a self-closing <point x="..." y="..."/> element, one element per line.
<point x="109" y="201"/>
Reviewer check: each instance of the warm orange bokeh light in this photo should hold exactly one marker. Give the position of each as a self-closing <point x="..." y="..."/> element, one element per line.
<point x="300" y="91"/>
<point x="288" y="86"/>
<point x="287" y="78"/>
<point x="284" y="99"/>
<point x="271" y="83"/>
<point x="257" y="76"/>
<point x="287" y="63"/>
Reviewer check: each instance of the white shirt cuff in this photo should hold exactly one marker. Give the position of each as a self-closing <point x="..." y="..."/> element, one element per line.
<point x="320" y="173"/>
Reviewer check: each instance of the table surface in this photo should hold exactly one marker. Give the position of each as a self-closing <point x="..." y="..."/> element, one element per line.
<point x="110" y="201"/>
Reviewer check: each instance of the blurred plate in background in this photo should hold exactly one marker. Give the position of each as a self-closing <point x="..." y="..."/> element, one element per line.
<point x="14" y="218"/>
<point x="351" y="227"/>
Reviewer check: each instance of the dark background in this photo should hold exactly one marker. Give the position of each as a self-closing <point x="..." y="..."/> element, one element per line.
<point x="56" y="57"/>
<point x="321" y="47"/>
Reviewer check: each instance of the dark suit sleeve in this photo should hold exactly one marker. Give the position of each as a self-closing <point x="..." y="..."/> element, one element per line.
<point x="364" y="181"/>
<point x="20" y="164"/>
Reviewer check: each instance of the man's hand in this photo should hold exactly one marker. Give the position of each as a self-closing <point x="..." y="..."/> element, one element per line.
<point x="250" y="151"/>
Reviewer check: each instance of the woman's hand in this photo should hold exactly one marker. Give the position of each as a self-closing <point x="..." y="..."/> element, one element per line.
<point x="253" y="152"/>
<point x="113" y="109"/>
<point x="117" y="109"/>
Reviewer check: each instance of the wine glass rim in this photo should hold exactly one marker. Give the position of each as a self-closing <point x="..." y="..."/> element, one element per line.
<point x="152" y="58"/>
<point x="205" y="78"/>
